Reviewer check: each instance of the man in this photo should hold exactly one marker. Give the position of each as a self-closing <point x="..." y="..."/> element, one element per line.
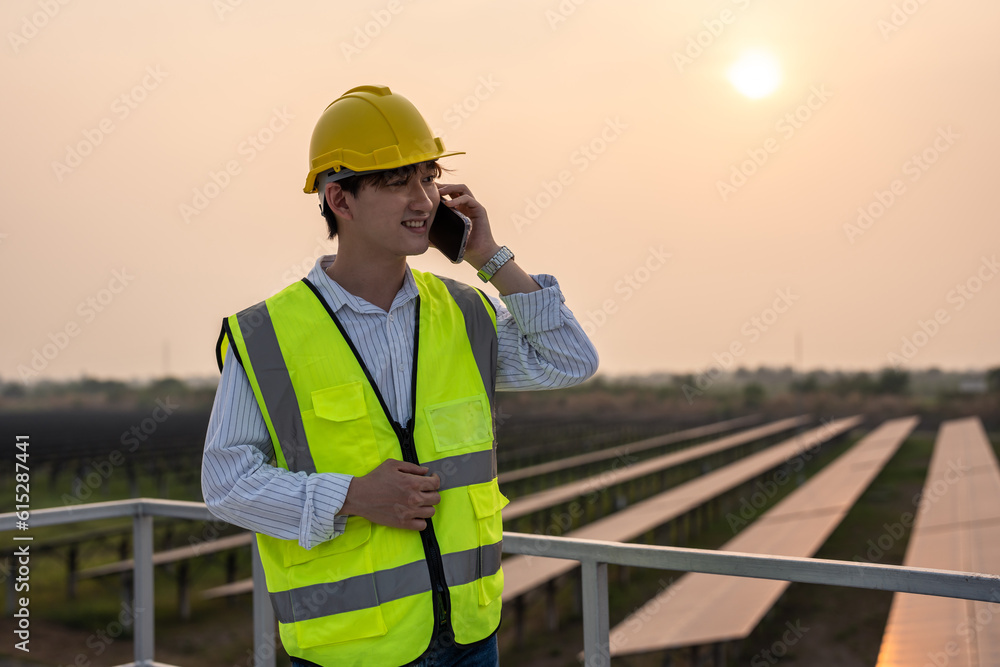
<point x="353" y="427"/>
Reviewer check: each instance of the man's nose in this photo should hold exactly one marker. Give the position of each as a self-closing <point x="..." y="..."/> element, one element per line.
<point x="420" y="199"/>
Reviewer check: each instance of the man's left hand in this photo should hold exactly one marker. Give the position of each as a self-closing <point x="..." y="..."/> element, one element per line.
<point x="481" y="245"/>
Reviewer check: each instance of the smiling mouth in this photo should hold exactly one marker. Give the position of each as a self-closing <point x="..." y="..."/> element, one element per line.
<point x="415" y="224"/>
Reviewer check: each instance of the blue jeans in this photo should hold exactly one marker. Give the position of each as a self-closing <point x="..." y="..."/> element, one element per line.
<point x="443" y="653"/>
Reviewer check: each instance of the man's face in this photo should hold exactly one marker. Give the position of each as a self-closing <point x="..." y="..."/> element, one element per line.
<point x="395" y="219"/>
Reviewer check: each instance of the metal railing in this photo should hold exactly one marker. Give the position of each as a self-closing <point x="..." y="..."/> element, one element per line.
<point x="142" y="511"/>
<point x="594" y="557"/>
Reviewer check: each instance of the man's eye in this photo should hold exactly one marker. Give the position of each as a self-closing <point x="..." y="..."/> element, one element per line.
<point x="397" y="184"/>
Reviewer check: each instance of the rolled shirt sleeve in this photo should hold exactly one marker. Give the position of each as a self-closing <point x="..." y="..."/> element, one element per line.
<point x="541" y="344"/>
<point x="242" y="487"/>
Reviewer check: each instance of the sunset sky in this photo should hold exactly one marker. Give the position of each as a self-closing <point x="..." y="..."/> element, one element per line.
<point x="854" y="206"/>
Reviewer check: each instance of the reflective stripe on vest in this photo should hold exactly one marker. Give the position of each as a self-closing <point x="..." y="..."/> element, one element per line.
<point x="464" y="469"/>
<point x="480" y="329"/>
<point x="371" y="590"/>
<point x="275" y="386"/>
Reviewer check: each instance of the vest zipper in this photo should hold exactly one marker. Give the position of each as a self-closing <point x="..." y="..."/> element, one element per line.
<point x="432" y="551"/>
<point x="442" y="598"/>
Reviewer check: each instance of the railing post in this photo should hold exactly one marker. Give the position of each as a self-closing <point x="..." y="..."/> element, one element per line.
<point x="594" y="583"/>
<point x="143" y="604"/>
<point x="264" y="641"/>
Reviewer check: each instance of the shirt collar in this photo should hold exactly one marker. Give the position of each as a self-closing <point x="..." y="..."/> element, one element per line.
<point x="338" y="297"/>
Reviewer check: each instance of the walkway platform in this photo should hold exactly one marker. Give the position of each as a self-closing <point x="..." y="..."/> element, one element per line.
<point x="526" y="573"/>
<point x="957" y="528"/>
<point x="701" y="609"/>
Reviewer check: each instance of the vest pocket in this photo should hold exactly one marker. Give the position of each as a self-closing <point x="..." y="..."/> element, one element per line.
<point x="461" y="423"/>
<point x="342" y="403"/>
<point x="329" y="564"/>
<point x="340" y="415"/>
<point x="341" y="628"/>
<point x="487" y="503"/>
<point x="356" y="534"/>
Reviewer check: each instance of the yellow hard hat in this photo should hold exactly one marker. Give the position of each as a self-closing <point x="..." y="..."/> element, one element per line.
<point x="370" y="128"/>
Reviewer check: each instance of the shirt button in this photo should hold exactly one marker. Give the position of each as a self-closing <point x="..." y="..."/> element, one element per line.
<point x="402" y="367"/>
<point x="390" y="317"/>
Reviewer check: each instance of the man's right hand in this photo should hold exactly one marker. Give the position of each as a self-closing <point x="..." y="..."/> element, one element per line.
<point x="396" y="494"/>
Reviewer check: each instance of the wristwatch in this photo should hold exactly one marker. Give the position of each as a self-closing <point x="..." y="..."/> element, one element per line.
<point x="490" y="268"/>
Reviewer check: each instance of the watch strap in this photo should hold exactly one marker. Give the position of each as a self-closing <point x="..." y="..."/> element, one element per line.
<point x="490" y="268"/>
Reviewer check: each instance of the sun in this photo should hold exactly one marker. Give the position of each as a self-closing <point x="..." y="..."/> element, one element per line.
<point x="755" y="74"/>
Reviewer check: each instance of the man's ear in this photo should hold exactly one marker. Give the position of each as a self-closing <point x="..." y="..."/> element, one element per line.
<point x="336" y="201"/>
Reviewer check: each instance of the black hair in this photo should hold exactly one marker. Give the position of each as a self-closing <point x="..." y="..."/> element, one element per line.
<point x="377" y="180"/>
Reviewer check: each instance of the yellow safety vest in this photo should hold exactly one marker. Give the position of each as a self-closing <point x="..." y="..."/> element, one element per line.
<point x="377" y="595"/>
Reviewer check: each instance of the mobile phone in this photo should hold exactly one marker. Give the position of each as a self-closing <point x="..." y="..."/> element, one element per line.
<point x="450" y="232"/>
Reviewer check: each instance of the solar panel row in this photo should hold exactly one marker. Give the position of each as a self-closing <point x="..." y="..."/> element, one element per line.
<point x="957" y="528"/>
<point x="703" y="609"/>
<point x="526" y="573"/>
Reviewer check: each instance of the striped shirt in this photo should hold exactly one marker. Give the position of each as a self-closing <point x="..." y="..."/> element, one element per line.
<point x="540" y="346"/>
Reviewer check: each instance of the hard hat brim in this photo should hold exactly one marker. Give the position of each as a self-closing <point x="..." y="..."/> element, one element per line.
<point x="310" y="186"/>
